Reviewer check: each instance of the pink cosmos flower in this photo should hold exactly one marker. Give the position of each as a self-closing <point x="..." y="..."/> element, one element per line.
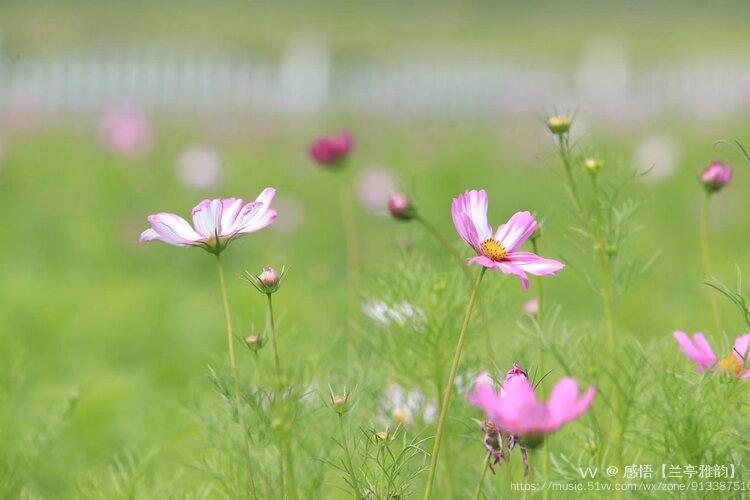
<point x="126" y="132"/>
<point x="517" y="410"/>
<point x="215" y="222"/>
<point x="716" y="176"/>
<point x="699" y="351"/>
<point x="499" y="250"/>
<point x="332" y="149"/>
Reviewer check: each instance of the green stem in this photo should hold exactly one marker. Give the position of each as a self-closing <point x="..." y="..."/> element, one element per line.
<point x="478" y="494"/>
<point x="462" y="264"/>
<point x="706" y="256"/>
<point x="449" y="386"/>
<point x="347" y="454"/>
<point x="352" y="258"/>
<point x="233" y="363"/>
<point x="286" y="470"/>
<point x="565" y="157"/>
<point x="274" y="344"/>
<point x="605" y="269"/>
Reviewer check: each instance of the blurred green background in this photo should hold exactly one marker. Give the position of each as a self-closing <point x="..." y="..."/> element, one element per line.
<point x="128" y="329"/>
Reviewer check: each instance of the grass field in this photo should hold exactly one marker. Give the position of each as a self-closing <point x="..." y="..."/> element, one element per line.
<point x="108" y="345"/>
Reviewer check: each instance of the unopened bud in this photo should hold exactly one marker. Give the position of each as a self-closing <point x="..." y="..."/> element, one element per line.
<point x="531" y="307"/>
<point x="400" y="207"/>
<point x="716" y="176"/>
<point x="255" y="342"/>
<point x="340" y="403"/>
<point x="559" y="124"/>
<point x="382" y="435"/>
<point x="593" y="165"/>
<point x="268" y="281"/>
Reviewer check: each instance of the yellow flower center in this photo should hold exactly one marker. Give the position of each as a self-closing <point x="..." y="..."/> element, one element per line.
<point x="494" y="250"/>
<point x="731" y="365"/>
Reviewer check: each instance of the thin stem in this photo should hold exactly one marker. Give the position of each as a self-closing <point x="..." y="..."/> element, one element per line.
<point x="462" y="263"/>
<point x="286" y="471"/>
<point x="352" y="257"/>
<point x="706" y="255"/>
<point x="605" y="269"/>
<point x="233" y="363"/>
<point x="540" y="287"/>
<point x="274" y="344"/>
<point x="449" y="386"/>
<point x="347" y="454"/>
<point x="565" y="157"/>
<point x="478" y="494"/>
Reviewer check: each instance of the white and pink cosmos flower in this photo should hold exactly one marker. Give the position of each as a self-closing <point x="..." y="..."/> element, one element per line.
<point x="517" y="410"/>
<point x="216" y="223"/>
<point x="499" y="250"/>
<point x="699" y="351"/>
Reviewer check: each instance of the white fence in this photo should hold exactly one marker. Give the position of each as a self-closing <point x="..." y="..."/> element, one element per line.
<point x="306" y="80"/>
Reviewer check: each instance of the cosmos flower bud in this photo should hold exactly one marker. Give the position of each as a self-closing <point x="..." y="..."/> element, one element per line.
<point x="332" y="150"/>
<point x="592" y="165"/>
<point x="268" y="281"/>
<point x="400" y="207"/>
<point x="340" y="403"/>
<point x="559" y="124"/>
<point x="255" y="342"/>
<point x="716" y="176"/>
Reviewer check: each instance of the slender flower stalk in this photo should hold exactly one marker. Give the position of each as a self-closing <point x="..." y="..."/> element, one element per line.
<point x="604" y="267"/>
<point x="352" y="257"/>
<point x="233" y="363"/>
<point x="449" y="386"/>
<point x="348" y="455"/>
<point x="478" y="494"/>
<point x="706" y="257"/>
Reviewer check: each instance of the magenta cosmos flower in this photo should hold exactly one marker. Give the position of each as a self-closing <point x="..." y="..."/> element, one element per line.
<point x="699" y="351"/>
<point x="517" y="410"/>
<point x="332" y="149"/>
<point x="215" y="222"/>
<point x="716" y="176"/>
<point x="499" y="250"/>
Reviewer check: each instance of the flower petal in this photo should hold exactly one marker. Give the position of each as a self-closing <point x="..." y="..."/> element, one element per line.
<point x="564" y="404"/>
<point x="516" y="231"/>
<point x="172" y="229"/>
<point x="258" y="214"/>
<point x="469" y="209"/>
<point x="740" y="346"/>
<point x="207" y="218"/>
<point x="510" y="268"/>
<point x="697" y="350"/>
<point x="230" y="209"/>
<point x="521" y="412"/>
<point x="148" y="235"/>
<point x="482" y="261"/>
<point x="534" y="264"/>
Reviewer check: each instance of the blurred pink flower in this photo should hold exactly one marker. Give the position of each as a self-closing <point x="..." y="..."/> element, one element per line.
<point x="126" y="132"/>
<point x="333" y="149"/>
<point x="215" y="222"/>
<point x="531" y="307"/>
<point x="374" y="186"/>
<point x="699" y="351"/>
<point x="518" y="411"/>
<point x="199" y="168"/>
<point x="501" y="249"/>
<point x="716" y="176"/>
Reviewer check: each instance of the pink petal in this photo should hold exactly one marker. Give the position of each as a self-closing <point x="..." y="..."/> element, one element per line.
<point x="482" y="261"/>
<point x="516" y="231"/>
<point x="510" y="268"/>
<point x="533" y="264"/>
<point x="698" y="350"/>
<point x="173" y="229"/>
<point x="564" y="404"/>
<point x="745" y="375"/>
<point x="148" y="235"/>
<point x="207" y="218"/>
<point x="740" y="346"/>
<point x="520" y="410"/>
<point x="230" y="209"/>
<point x="263" y="218"/>
<point x="473" y="206"/>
